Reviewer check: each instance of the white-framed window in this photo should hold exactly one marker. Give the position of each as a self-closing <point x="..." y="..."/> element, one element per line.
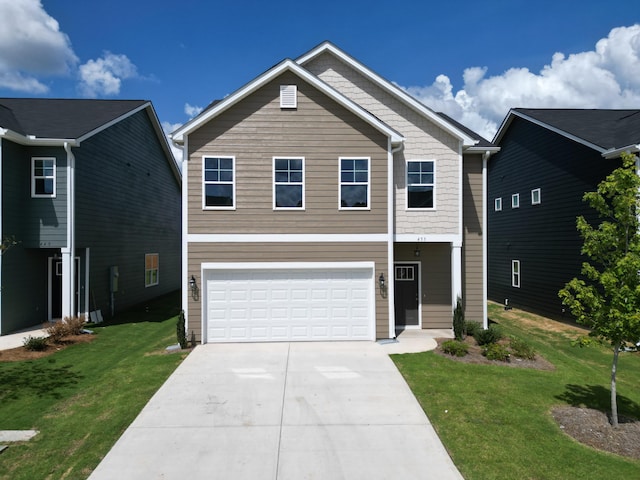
<point x="43" y="177"/>
<point x="536" y="197"/>
<point x="288" y="183"/>
<point x="515" y="273"/>
<point x="151" y="269"/>
<point x="515" y="200"/>
<point x="421" y="183"/>
<point x="288" y="96"/>
<point x="219" y="188"/>
<point x="497" y="204"/>
<point x="355" y="177"/>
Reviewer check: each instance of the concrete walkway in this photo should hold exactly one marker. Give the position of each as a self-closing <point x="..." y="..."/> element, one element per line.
<point x="285" y="411"/>
<point x="16" y="339"/>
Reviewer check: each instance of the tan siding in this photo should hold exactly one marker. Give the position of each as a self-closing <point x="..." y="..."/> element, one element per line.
<point x="254" y="131"/>
<point x="472" y="258"/>
<point x="435" y="261"/>
<point x="287" y="252"/>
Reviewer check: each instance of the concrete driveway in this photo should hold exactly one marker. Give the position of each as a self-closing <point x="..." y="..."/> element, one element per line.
<point x="286" y="411"/>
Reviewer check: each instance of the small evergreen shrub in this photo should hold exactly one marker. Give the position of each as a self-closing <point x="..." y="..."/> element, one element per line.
<point x="35" y="344"/>
<point x="493" y="334"/>
<point x="521" y="349"/>
<point x="496" y="351"/>
<point x="455" y="348"/>
<point x="472" y="328"/>
<point x="458" y="321"/>
<point x="180" y="331"/>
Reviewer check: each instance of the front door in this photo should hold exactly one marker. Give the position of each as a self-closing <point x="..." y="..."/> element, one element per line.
<point x="407" y="297"/>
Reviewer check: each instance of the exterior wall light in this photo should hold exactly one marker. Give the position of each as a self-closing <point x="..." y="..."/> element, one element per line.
<point x="381" y="281"/>
<point x="194" y="288"/>
<point x="416" y="252"/>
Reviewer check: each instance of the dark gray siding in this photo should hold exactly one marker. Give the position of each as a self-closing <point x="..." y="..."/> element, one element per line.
<point x="543" y="237"/>
<point x="127" y="205"/>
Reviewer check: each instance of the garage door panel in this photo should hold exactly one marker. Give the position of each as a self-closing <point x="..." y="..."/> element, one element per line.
<point x="284" y="304"/>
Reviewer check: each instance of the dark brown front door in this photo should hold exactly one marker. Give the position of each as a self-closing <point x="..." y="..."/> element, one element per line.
<point x="406" y="294"/>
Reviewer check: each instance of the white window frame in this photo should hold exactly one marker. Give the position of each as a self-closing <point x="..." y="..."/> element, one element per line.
<point x="288" y="96"/>
<point x="534" y="192"/>
<point x="35" y="177"/>
<point x="219" y="182"/>
<point x="275" y="184"/>
<point x="515" y="200"/>
<point x="497" y="204"/>
<point x="149" y="281"/>
<point x="406" y="177"/>
<point x="367" y="183"/>
<point x="516" y="273"/>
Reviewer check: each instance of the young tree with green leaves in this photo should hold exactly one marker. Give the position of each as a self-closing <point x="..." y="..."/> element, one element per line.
<point x="607" y="300"/>
<point x="7" y="243"/>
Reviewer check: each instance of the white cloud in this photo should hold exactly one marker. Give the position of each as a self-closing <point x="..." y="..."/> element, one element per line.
<point x="606" y="77"/>
<point x="31" y="44"/>
<point x="192" y="111"/>
<point x="168" y="128"/>
<point x="104" y="76"/>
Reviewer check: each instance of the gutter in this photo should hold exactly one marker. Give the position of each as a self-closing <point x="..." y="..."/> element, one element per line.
<point x="616" y="152"/>
<point x="391" y="233"/>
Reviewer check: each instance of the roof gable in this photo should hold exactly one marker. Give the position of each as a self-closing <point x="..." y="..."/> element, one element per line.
<point x="288" y="65"/>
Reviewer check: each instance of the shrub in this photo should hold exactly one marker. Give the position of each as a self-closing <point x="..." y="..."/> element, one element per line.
<point x="493" y="334"/>
<point x="75" y="325"/>
<point x="472" y="328"/>
<point x="521" y="349"/>
<point x="455" y="347"/>
<point x="57" y="331"/>
<point x="496" y="351"/>
<point x="458" y="321"/>
<point x="180" y="331"/>
<point x="35" y="344"/>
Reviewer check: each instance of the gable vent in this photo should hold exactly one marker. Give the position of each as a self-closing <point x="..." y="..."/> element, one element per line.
<point x="288" y="96"/>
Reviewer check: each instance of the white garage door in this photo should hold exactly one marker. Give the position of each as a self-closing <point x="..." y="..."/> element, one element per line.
<point x="289" y="304"/>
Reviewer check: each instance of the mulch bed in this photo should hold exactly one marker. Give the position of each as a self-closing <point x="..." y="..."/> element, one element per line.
<point x="21" y="354"/>
<point x="585" y="425"/>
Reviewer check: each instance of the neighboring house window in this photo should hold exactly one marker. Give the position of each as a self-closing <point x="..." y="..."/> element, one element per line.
<point x="219" y="182"/>
<point x="288" y="183"/>
<point x="288" y="96"/>
<point x="151" y="269"/>
<point x="43" y="177"/>
<point x="354" y="183"/>
<point x="420" y="183"/>
<point x="536" y="199"/>
<point x="515" y="273"/>
<point x="515" y="200"/>
<point x="498" y="204"/>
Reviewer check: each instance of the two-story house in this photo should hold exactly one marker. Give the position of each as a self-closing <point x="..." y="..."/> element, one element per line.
<point x="322" y="202"/>
<point x="90" y="191"/>
<point x="548" y="159"/>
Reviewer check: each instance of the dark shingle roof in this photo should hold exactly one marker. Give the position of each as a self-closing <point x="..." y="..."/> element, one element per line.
<point x="61" y="118"/>
<point x="608" y="129"/>
<point x="482" y="142"/>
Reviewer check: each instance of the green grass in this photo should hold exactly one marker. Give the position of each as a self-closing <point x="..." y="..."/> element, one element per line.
<point x="495" y="421"/>
<point x="82" y="398"/>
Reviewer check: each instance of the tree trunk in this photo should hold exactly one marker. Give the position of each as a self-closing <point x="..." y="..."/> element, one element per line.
<point x="614" y="400"/>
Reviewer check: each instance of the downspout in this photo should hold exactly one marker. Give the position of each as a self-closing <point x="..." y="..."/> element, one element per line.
<point x="1" y="234"/>
<point x="68" y="253"/>
<point x="184" y="246"/>
<point x="391" y="237"/>
<point x="485" y="236"/>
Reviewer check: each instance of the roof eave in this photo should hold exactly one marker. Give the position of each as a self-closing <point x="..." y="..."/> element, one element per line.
<point x="32" y="140"/>
<point x="616" y="152"/>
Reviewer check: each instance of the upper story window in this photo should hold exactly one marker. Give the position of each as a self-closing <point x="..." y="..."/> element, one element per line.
<point x="497" y="204"/>
<point x="151" y="269"/>
<point x="515" y="200"/>
<point x="354" y="183"/>
<point x="219" y="182"/>
<point x="420" y="184"/>
<point x="43" y="177"/>
<point x="288" y="183"/>
<point x="536" y="197"/>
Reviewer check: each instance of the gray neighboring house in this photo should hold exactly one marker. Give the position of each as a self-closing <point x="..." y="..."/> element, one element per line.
<point x="91" y="191"/>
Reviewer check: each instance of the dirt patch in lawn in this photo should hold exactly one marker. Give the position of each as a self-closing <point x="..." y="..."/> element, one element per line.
<point x="475" y="356"/>
<point x="531" y="320"/>
<point x="21" y="354"/>
<point x="592" y="427"/>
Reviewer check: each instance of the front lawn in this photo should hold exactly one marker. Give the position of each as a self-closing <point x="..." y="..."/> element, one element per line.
<point x="496" y="421"/>
<point x="82" y="398"/>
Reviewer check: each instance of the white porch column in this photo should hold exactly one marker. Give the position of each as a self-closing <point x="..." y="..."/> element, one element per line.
<point x="456" y="273"/>
<point x="67" y="283"/>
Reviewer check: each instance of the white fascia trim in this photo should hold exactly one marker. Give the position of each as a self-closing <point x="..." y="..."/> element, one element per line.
<point x="453" y="238"/>
<point x="283" y="238"/>
<point x="287" y="65"/>
<point x="287" y="266"/>
<point x="35" y="141"/>
<point x="548" y="127"/>
<point x="391" y="88"/>
<point x="113" y="122"/>
<point x="616" y="152"/>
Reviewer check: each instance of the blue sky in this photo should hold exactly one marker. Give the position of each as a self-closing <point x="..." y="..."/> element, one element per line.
<point x="471" y="59"/>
